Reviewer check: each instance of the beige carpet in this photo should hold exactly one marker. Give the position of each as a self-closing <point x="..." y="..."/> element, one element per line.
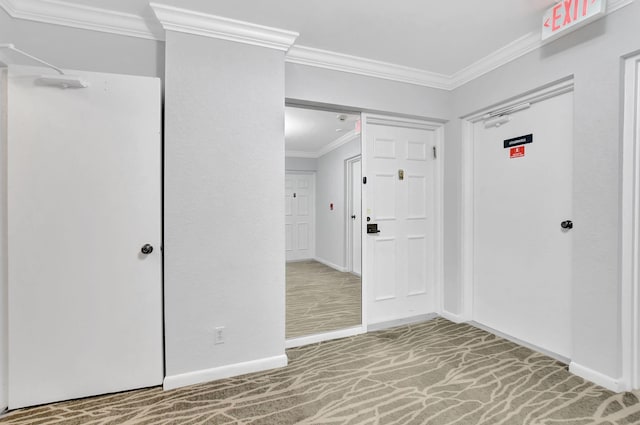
<point x="321" y="299"/>
<point x="434" y="373"/>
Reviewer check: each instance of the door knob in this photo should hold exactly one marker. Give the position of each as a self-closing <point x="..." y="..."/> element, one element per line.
<point x="353" y="217"/>
<point x="568" y="224"/>
<point x="146" y="249"/>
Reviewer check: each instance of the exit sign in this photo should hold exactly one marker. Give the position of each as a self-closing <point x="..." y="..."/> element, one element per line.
<point x="568" y="15"/>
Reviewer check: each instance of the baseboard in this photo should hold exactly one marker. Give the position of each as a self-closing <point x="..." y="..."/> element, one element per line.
<point x="330" y="264"/>
<point x="326" y="336"/>
<point x="612" y="384"/>
<point x="401" y="322"/>
<point x="553" y="355"/>
<point x="207" y="375"/>
<point x="455" y="318"/>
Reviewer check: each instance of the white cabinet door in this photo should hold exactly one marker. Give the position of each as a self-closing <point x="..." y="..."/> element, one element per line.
<point x="84" y="195"/>
<point x="299" y="216"/>
<point x="401" y="198"/>
<point x="522" y="255"/>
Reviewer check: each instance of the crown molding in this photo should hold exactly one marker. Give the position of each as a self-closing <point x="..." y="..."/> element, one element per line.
<point x="60" y="12"/>
<point x="496" y="59"/>
<point x="300" y="154"/>
<point x="197" y="23"/>
<point x="362" y="66"/>
<point x="79" y="16"/>
<point x="343" y="140"/>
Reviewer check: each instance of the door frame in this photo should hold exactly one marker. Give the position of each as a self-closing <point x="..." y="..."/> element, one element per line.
<point x="438" y="128"/>
<point x="349" y="203"/>
<point x="467" y="217"/>
<point x="630" y="226"/>
<point x="312" y="242"/>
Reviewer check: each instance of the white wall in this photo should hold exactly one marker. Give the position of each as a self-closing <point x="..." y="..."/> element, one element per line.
<point x="593" y="56"/>
<point x="300" y="164"/>
<point x="80" y="49"/>
<point x="224" y="186"/>
<point x="330" y="189"/>
<point x="3" y="244"/>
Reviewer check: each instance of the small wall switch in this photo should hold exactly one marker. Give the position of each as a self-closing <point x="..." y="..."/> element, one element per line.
<point x="218" y="337"/>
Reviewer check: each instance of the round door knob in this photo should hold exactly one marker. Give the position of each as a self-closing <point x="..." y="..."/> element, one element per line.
<point x="147" y="249"/>
<point x="568" y="224"/>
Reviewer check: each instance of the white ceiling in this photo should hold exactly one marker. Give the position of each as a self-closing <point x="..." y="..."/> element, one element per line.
<point x="309" y="131"/>
<point x="441" y="36"/>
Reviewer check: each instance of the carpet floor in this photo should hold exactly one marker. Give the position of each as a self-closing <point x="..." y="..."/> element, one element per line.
<point x="434" y="373"/>
<point x="321" y="299"/>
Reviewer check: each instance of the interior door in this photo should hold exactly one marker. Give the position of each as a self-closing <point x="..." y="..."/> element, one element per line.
<point x="401" y="200"/>
<point x="523" y="193"/>
<point x="356" y="216"/>
<point x="84" y="195"/>
<point x="299" y="216"/>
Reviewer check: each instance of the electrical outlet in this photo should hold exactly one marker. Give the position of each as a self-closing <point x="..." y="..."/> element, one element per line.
<point x="218" y="337"/>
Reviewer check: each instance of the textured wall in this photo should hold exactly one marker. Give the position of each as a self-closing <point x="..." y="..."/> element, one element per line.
<point x="224" y="186"/>
<point x="593" y="56"/>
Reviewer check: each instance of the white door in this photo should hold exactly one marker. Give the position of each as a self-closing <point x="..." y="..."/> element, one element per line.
<point x="299" y="216"/>
<point x="522" y="259"/>
<point x="401" y="199"/>
<point x="355" y="216"/>
<point x="84" y="195"/>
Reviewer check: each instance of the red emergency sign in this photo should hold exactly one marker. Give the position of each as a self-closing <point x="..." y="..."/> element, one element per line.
<point x="516" y="152"/>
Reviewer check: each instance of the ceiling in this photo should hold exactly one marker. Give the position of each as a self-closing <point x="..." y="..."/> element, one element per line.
<point x="308" y="132"/>
<point x="438" y="36"/>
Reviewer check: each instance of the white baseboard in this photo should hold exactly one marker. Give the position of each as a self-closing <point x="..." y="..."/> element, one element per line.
<point x="327" y="336"/>
<point x="612" y="384"/>
<point x="401" y="322"/>
<point x="330" y="264"/>
<point x="455" y="318"/>
<point x="553" y="355"/>
<point x="236" y="369"/>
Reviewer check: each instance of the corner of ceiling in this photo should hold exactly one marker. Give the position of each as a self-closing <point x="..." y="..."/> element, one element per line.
<point x="203" y="24"/>
<point x="176" y="19"/>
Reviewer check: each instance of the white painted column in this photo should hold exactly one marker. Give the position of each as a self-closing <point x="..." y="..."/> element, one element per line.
<point x="224" y="191"/>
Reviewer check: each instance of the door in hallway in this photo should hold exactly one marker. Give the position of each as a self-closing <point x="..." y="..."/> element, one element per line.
<point x="402" y="201"/>
<point x="355" y="215"/>
<point x="523" y="207"/>
<point x="84" y="197"/>
<point x="299" y="216"/>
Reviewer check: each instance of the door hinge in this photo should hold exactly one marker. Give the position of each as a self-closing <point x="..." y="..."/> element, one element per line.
<point x="364" y="180"/>
<point x="435" y="153"/>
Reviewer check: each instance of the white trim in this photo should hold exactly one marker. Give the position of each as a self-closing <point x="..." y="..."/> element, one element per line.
<point x="496" y="59"/>
<point x="330" y="264"/>
<point x="598" y="378"/>
<point x="176" y="19"/>
<point x="348" y="250"/>
<point x="455" y="318"/>
<point x="300" y="154"/>
<point x="521" y="342"/>
<point x="340" y="141"/>
<point x="326" y="336"/>
<point x="401" y="322"/>
<point x="84" y="17"/>
<point x="630" y="227"/>
<point x="222" y="372"/>
<point x="198" y="23"/>
<point x="334" y="61"/>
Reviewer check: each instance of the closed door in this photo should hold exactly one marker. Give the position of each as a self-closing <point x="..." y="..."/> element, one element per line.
<point x="299" y="216"/>
<point x="84" y="196"/>
<point x="522" y="196"/>
<point x="402" y="202"/>
<point x="355" y="201"/>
